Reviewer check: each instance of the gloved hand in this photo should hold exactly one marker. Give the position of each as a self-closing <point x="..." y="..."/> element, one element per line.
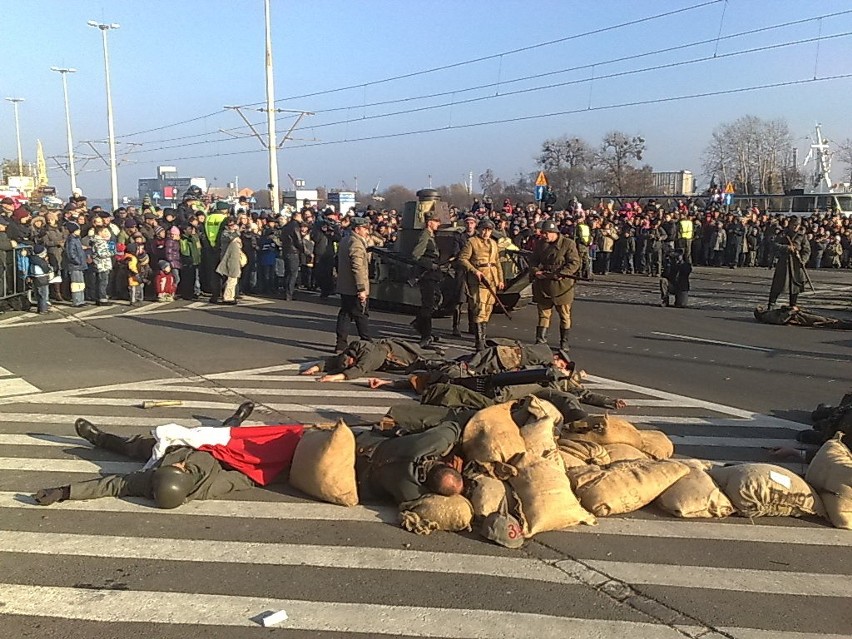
<point x="48" y="496"/>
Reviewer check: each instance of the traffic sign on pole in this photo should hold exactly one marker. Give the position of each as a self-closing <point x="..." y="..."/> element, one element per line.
<point x="729" y="187"/>
<point x="539" y="193"/>
<point x="541" y="180"/>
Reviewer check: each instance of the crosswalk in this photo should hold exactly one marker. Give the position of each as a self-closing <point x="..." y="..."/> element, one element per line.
<point x="220" y="565"/>
<point x="64" y="314"/>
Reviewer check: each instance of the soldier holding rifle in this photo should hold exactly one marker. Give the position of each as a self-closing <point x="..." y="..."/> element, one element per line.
<point x="481" y="261"/>
<point x="793" y="250"/>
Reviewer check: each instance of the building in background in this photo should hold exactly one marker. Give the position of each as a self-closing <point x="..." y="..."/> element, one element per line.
<point x="674" y="182"/>
<point x="167" y="188"/>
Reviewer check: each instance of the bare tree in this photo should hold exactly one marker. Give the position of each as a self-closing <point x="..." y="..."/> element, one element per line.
<point x="753" y="154"/>
<point x="616" y="157"/>
<point x="490" y="184"/>
<point x="396" y="196"/>
<point x="844" y="154"/>
<point x="568" y="162"/>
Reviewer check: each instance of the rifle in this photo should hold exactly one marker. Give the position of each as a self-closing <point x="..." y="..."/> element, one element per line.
<point x="795" y="252"/>
<point x="488" y="287"/>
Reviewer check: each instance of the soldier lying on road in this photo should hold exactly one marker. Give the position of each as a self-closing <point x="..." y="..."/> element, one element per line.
<point x="361" y="358"/>
<point x="180" y="474"/>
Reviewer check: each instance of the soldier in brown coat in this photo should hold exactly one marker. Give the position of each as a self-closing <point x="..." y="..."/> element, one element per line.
<point x="353" y="283"/>
<point x="553" y="264"/>
<point x="481" y="260"/>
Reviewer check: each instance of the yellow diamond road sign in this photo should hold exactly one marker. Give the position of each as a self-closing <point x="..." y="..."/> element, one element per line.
<point x="541" y="180"/>
<point x="729" y="187"/>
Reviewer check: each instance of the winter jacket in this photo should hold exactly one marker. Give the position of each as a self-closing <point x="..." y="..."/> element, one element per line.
<point x="75" y="255"/>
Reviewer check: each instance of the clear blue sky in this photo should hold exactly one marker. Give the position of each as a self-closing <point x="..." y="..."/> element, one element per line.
<point x="172" y="61"/>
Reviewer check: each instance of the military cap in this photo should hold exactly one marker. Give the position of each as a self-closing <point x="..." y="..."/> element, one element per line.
<point x="549" y="226"/>
<point x="485" y="224"/>
<point x="359" y="221"/>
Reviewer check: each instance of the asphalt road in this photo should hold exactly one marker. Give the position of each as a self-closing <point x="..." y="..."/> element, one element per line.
<point x="721" y="385"/>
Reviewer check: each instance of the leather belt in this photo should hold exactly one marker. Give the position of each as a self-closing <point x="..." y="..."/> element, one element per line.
<point x="485" y="264"/>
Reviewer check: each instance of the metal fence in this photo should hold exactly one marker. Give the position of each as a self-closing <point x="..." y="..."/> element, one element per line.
<point x="14" y="270"/>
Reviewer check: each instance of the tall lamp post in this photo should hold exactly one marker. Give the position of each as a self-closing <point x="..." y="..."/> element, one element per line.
<point x="111" y="128"/>
<point x="64" y="72"/>
<point x="15" y="102"/>
<point x="272" y="142"/>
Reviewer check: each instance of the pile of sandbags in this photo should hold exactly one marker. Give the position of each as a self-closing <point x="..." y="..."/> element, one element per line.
<point x="830" y="473"/>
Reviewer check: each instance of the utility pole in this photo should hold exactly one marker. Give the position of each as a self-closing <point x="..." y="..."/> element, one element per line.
<point x="272" y="143"/>
<point x="64" y="72"/>
<point x="113" y="171"/>
<point x="15" y="102"/>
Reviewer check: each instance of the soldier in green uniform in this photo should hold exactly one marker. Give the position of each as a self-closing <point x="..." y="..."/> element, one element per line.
<point x="360" y="358"/>
<point x="426" y="255"/>
<point x="183" y="474"/>
<point x="553" y="263"/>
<point x="407" y="467"/>
<point x="793" y="250"/>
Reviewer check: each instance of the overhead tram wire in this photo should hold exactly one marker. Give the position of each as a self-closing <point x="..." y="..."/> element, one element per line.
<point x="669" y="65"/>
<point x="739" y="34"/>
<point x="452" y="65"/>
<point x="539" y="116"/>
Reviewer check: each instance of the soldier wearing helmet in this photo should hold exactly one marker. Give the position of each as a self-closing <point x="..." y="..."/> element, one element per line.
<point x="553" y="263"/>
<point x="480" y="259"/>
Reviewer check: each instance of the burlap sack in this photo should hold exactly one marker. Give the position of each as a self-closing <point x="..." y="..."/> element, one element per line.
<point x="491" y="435"/>
<point x="569" y="460"/>
<point x="539" y="437"/>
<point x="623" y="452"/>
<point x="695" y="495"/>
<point x="830" y="473"/>
<point x="436" y="512"/>
<point x="546" y="500"/>
<point x="603" y="429"/>
<point x="765" y="490"/>
<point x="627" y="486"/>
<point x="324" y="465"/>
<point x="486" y="494"/>
<point x="656" y="444"/>
<point x="587" y="452"/>
<point x="579" y="476"/>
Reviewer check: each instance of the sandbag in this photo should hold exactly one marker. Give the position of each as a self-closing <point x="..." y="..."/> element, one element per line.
<point x="546" y="501"/>
<point x="486" y="494"/>
<point x="603" y="429"/>
<point x="766" y="490"/>
<point x="569" y="460"/>
<point x="627" y="486"/>
<point x="695" y="495"/>
<point x="623" y="452"/>
<point x="491" y="435"/>
<point x="588" y="452"/>
<point x="579" y="476"/>
<point x="436" y="512"/>
<point x="533" y="408"/>
<point x="656" y="444"/>
<point x="539" y="437"/>
<point x="324" y="465"/>
<point x="830" y="473"/>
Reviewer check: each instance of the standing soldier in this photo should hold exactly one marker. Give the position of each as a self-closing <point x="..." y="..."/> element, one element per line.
<point x="552" y="264"/>
<point x="460" y="239"/>
<point x="793" y="250"/>
<point x="481" y="260"/>
<point x="353" y="283"/>
<point x="426" y="254"/>
<point x="582" y="238"/>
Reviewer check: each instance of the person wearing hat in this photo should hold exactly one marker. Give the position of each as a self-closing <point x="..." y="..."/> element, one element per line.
<point x="20" y="229"/>
<point x="7" y="257"/>
<point x="353" y="283"/>
<point x="426" y="255"/>
<point x="230" y="268"/>
<point x="480" y="258"/>
<point x="674" y="280"/>
<point x="41" y="274"/>
<point x="211" y="228"/>
<point x="460" y="239"/>
<point x="793" y="250"/>
<point x="553" y="264"/>
<point x="75" y="264"/>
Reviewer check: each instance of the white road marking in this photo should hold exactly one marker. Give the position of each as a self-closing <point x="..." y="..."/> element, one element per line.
<point x="149" y="607"/>
<point x="68" y="465"/>
<point x="772" y="582"/>
<point x="117" y="420"/>
<point x="280" y="554"/>
<point x="714" y="342"/>
<point x="733" y="529"/>
<point x="16" y="386"/>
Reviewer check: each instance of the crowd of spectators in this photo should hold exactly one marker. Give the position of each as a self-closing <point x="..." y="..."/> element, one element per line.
<point x="145" y="253"/>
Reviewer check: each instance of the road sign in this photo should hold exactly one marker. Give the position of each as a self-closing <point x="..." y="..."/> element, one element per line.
<point x="539" y="193"/>
<point x="729" y="198"/>
<point x="541" y="180"/>
<point x="729" y="187"/>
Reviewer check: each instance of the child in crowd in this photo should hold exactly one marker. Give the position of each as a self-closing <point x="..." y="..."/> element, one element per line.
<point x="140" y="275"/>
<point x="164" y="282"/>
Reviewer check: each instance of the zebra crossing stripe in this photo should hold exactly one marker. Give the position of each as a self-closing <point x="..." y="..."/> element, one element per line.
<point x="68" y="465"/>
<point x="13" y="386"/>
<point x="733" y="529"/>
<point x="773" y="582"/>
<point x="149" y="607"/>
<point x="276" y="554"/>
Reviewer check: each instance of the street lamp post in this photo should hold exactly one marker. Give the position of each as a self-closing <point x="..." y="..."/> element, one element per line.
<point x="64" y="72"/>
<point x="111" y="128"/>
<point x="15" y="102"/>
<point x="271" y="141"/>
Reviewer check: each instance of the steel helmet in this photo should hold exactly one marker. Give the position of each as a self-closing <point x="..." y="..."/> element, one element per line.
<point x="549" y="226"/>
<point x="171" y="486"/>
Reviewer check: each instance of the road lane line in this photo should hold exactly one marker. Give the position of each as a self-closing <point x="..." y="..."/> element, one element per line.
<point x="280" y="554"/>
<point x="68" y="465"/>
<point x="714" y="342"/>
<point x="771" y="582"/>
<point x="151" y="607"/>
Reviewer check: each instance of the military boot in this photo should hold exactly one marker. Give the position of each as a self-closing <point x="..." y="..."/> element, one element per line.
<point x="480" y="338"/>
<point x="239" y="416"/>
<point x="563" y="338"/>
<point x="88" y="431"/>
<point x="456" y="322"/>
<point x="541" y="335"/>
